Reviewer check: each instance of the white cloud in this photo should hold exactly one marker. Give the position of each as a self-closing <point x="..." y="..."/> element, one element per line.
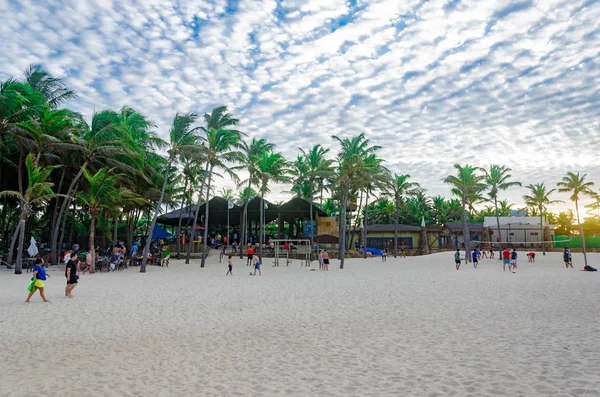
<point x="500" y="81"/>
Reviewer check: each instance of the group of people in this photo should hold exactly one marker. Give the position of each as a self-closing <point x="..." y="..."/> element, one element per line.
<point x="38" y="279"/>
<point x="509" y="258"/>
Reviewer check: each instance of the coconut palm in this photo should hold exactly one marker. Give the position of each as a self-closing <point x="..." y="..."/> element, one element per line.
<point x="38" y="192"/>
<point x="221" y="144"/>
<point x="564" y="222"/>
<point x="497" y="179"/>
<point x="397" y="188"/>
<point x="182" y="139"/>
<point x="270" y="167"/>
<point x="103" y="194"/>
<point x="351" y="168"/>
<point x="539" y="198"/>
<point x="577" y="185"/>
<point x="251" y="153"/>
<point x="316" y="167"/>
<point x="54" y="90"/>
<point x="467" y="185"/>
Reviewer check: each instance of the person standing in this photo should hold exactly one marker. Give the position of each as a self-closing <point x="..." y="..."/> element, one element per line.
<point x="320" y="259"/>
<point x="256" y="265"/>
<point x="71" y="275"/>
<point x="402" y="254"/>
<point x="325" y="260"/>
<point x="491" y="249"/>
<point x="229" y="265"/>
<point x="457" y="258"/>
<point x="250" y="252"/>
<point x="505" y="259"/>
<point x="475" y="257"/>
<point x="384" y="255"/>
<point x="38" y="280"/>
<point x="567" y="257"/>
<point x="513" y="259"/>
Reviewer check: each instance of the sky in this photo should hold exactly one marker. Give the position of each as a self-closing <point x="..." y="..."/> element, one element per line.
<point x="433" y="83"/>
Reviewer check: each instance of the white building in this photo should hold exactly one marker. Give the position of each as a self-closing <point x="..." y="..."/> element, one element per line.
<point x="521" y="230"/>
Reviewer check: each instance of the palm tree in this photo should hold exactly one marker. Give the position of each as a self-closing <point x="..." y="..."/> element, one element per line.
<point x="576" y="185"/>
<point x="270" y="167"/>
<point x="372" y="181"/>
<point x="467" y="185"/>
<point x="182" y="139"/>
<point x="564" y="222"/>
<point x="498" y="179"/>
<point x="219" y="150"/>
<point x="351" y="167"/>
<point x="251" y="153"/>
<point x="103" y="194"/>
<point x="539" y="198"/>
<point x="54" y="90"/>
<point x="38" y="192"/>
<point x="397" y="188"/>
<point x="316" y="167"/>
<point x="98" y="143"/>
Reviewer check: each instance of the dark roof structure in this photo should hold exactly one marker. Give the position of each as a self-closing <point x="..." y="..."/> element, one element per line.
<point x="299" y="208"/>
<point x="296" y="208"/>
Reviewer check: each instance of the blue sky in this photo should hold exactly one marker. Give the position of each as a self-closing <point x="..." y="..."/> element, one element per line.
<point x="433" y="82"/>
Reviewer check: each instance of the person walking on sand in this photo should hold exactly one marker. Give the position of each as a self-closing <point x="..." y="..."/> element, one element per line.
<point x="567" y="258"/>
<point x="229" y="265"/>
<point x="325" y="260"/>
<point x="491" y="249"/>
<point x="513" y="259"/>
<point x="250" y="252"/>
<point x="38" y="280"/>
<point x="384" y="255"/>
<point x="257" y="265"/>
<point x="71" y="274"/>
<point x="475" y="257"/>
<point x="320" y="259"/>
<point x="402" y="254"/>
<point x="505" y="259"/>
<point x="457" y="259"/>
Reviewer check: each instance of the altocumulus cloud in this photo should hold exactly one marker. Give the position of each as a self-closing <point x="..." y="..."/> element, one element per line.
<point x="432" y="82"/>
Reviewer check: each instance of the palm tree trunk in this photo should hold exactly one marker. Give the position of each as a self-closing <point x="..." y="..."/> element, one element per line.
<point x="581" y="234"/>
<point x="365" y="224"/>
<point x="63" y="207"/>
<point x="19" y="264"/>
<point x="56" y="201"/>
<point x="3" y="225"/>
<point x="498" y="226"/>
<point x="321" y="200"/>
<point x="115" y="230"/>
<point x="542" y="237"/>
<point x="180" y="219"/>
<point x="353" y="230"/>
<point x="62" y="230"/>
<point x="466" y="236"/>
<point x="195" y="222"/>
<point x="243" y="233"/>
<point x="72" y="227"/>
<point x="92" y="244"/>
<point x="20" y="173"/>
<point x="262" y="223"/>
<point x="342" y="244"/>
<point x="312" y="225"/>
<point x="158" y="205"/>
<point x="396" y="220"/>
<point x="206" y="205"/>
<point x="13" y="241"/>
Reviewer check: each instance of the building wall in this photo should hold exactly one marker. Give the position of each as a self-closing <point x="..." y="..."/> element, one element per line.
<point x="379" y="240"/>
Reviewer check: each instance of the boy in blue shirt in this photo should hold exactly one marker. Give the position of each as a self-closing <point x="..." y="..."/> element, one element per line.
<point x="475" y="256"/>
<point x="38" y="279"/>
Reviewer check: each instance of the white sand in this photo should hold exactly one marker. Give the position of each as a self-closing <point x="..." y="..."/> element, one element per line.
<point x="411" y="327"/>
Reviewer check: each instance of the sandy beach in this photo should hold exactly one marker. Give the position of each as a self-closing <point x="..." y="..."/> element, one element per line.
<point x="410" y="327"/>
